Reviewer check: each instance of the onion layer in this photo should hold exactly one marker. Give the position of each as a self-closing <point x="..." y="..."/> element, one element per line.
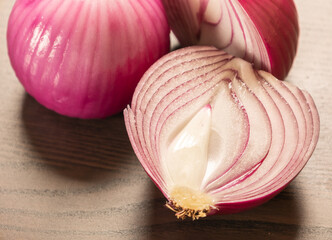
<point x="264" y="32"/>
<point x="84" y="58"/>
<point x="217" y="136"/>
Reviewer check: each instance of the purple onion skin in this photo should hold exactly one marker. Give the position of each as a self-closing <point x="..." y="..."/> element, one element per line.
<point x="236" y="207"/>
<point x="84" y="58"/>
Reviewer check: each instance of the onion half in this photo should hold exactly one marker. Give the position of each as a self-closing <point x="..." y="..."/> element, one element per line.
<point x="217" y="136"/>
<point x="264" y="32"/>
<point x="84" y="58"/>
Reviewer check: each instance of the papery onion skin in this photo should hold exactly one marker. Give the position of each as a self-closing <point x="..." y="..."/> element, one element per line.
<point x="264" y="32"/>
<point x="84" y="58"/>
<point x="185" y="84"/>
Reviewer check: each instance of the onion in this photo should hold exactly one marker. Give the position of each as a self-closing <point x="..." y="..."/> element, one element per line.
<point x="264" y="32"/>
<point x="84" y="58"/>
<point x="217" y="136"/>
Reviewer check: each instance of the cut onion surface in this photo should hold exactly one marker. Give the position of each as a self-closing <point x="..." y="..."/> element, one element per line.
<point x="217" y="136"/>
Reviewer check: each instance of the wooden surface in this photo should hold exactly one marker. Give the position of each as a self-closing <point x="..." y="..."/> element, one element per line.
<point x="63" y="178"/>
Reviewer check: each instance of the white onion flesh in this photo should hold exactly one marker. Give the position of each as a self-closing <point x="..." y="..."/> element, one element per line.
<point x="208" y="126"/>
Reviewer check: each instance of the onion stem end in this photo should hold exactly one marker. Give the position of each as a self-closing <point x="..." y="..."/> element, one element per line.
<point x="186" y="202"/>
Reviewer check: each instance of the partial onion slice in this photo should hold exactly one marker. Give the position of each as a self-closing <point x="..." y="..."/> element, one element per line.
<point x="264" y="32"/>
<point x="217" y="136"/>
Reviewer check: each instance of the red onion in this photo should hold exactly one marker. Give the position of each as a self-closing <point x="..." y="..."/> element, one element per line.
<point x="264" y="32"/>
<point x="84" y="58"/>
<point x="217" y="136"/>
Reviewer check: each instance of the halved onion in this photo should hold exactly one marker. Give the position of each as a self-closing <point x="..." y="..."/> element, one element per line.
<point x="217" y="136"/>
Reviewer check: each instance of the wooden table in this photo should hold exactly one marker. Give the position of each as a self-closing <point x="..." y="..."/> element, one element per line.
<point x="63" y="178"/>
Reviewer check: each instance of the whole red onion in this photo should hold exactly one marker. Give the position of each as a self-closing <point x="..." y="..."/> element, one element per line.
<point x="84" y="58"/>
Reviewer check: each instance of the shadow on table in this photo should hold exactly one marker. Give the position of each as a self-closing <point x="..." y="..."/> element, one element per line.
<point x="85" y="150"/>
<point x="277" y="219"/>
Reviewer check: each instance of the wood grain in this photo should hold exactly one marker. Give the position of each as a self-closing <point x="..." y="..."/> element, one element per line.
<point x="63" y="178"/>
